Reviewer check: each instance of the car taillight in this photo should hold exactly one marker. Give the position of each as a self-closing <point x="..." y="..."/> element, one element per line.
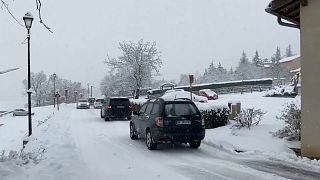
<point x="159" y="121"/>
<point x="109" y="107"/>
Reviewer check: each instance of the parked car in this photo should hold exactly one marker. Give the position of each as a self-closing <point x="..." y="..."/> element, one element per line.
<point x="20" y="112"/>
<point x="116" y="108"/>
<point x="98" y="103"/>
<point x="160" y="121"/>
<point x="181" y="94"/>
<point x="91" y="100"/>
<point x="208" y="93"/>
<point x="83" y="104"/>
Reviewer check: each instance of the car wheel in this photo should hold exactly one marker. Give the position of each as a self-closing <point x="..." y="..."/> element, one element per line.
<point x="101" y="114"/>
<point x="151" y="145"/>
<point x="133" y="135"/>
<point x="195" y="144"/>
<point x="106" y="118"/>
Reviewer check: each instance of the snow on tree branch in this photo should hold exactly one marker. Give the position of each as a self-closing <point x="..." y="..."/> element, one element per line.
<point x="136" y="63"/>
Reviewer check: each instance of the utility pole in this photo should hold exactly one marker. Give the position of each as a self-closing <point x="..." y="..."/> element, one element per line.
<point x="88" y="90"/>
<point x="54" y="90"/>
<point x="91" y="92"/>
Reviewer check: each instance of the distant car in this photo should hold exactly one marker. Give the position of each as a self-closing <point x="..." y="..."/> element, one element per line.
<point x="181" y="94"/>
<point x="161" y="121"/>
<point x="83" y="104"/>
<point x="91" y="100"/>
<point x="208" y="93"/>
<point x="98" y="103"/>
<point x="116" y="108"/>
<point x="20" y="112"/>
<point x="173" y="90"/>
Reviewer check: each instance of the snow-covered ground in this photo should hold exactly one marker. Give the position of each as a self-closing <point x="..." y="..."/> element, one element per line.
<point x="78" y="144"/>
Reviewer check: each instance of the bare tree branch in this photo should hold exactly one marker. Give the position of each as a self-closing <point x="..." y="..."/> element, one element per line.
<point x="3" y="4"/>
<point x="39" y="4"/>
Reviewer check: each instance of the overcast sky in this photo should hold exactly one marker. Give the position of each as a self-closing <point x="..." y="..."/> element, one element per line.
<point x="189" y="33"/>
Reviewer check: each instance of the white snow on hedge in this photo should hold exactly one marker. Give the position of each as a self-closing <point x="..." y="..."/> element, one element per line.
<point x="281" y="90"/>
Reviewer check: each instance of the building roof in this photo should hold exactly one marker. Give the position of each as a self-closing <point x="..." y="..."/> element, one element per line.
<point x="287" y="59"/>
<point x="288" y="10"/>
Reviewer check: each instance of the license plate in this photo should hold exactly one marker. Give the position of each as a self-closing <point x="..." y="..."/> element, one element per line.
<point x="120" y="106"/>
<point x="183" y="122"/>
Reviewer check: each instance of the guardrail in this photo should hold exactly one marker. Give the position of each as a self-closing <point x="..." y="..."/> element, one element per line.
<point x="5" y="113"/>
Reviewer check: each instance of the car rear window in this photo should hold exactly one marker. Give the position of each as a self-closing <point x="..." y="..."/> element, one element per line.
<point x="119" y="101"/>
<point x="83" y="100"/>
<point x="99" y="100"/>
<point x="183" y="109"/>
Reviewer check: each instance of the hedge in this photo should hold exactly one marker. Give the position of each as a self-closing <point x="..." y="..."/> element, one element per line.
<point x="215" y="117"/>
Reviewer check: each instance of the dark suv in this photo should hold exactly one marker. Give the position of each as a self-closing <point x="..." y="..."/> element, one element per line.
<point x="116" y="108"/>
<point x="160" y="121"/>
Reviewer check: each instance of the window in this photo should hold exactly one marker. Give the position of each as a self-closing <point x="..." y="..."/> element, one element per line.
<point x="181" y="110"/>
<point x="155" y="108"/>
<point x="119" y="101"/>
<point x="143" y="108"/>
<point x="149" y="107"/>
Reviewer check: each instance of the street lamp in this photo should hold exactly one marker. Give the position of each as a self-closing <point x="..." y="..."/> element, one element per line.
<point x="54" y="90"/>
<point x="28" y="18"/>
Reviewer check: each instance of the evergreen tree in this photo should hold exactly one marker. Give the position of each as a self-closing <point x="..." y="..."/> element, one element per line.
<point x="244" y="58"/>
<point x="288" y="51"/>
<point x="277" y="56"/>
<point x="256" y="60"/>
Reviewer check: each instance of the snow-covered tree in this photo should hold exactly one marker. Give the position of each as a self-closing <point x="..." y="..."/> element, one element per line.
<point x="256" y="60"/>
<point x="275" y="68"/>
<point x="137" y="63"/>
<point x="42" y="88"/>
<point x="289" y="51"/>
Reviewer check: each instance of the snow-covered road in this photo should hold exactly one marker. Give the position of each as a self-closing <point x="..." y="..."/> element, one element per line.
<point x="109" y="153"/>
<point x="78" y="144"/>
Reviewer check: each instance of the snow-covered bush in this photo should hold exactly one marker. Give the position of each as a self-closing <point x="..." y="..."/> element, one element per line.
<point x="292" y="117"/>
<point x="248" y="117"/>
<point x="22" y="158"/>
<point x="214" y="118"/>
<point x="279" y="91"/>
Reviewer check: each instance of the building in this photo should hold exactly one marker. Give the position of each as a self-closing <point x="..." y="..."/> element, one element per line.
<point x="305" y="15"/>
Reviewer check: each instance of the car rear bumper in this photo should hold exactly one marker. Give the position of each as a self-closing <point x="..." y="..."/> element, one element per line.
<point x="83" y="107"/>
<point x="184" y="137"/>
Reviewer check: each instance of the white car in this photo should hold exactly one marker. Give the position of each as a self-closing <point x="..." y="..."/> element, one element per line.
<point x="83" y="104"/>
<point x="98" y="103"/>
<point x="183" y="95"/>
<point x="20" y="112"/>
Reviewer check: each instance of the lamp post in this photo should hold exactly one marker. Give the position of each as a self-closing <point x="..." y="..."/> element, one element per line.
<point x="28" y="18"/>
<point x="54" y="90"/>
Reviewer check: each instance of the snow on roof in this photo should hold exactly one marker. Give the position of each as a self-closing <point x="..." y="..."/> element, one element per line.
<point x="183" y="95"/>
<point x="295" y="70"/>
<point x="291" y="58"/>
<point x="237" y="81"/>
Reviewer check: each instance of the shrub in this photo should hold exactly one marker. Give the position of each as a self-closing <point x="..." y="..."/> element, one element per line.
<point x="214" y="118"/>
<point x="248" y="117"/>
<point x="292" y="117"/>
